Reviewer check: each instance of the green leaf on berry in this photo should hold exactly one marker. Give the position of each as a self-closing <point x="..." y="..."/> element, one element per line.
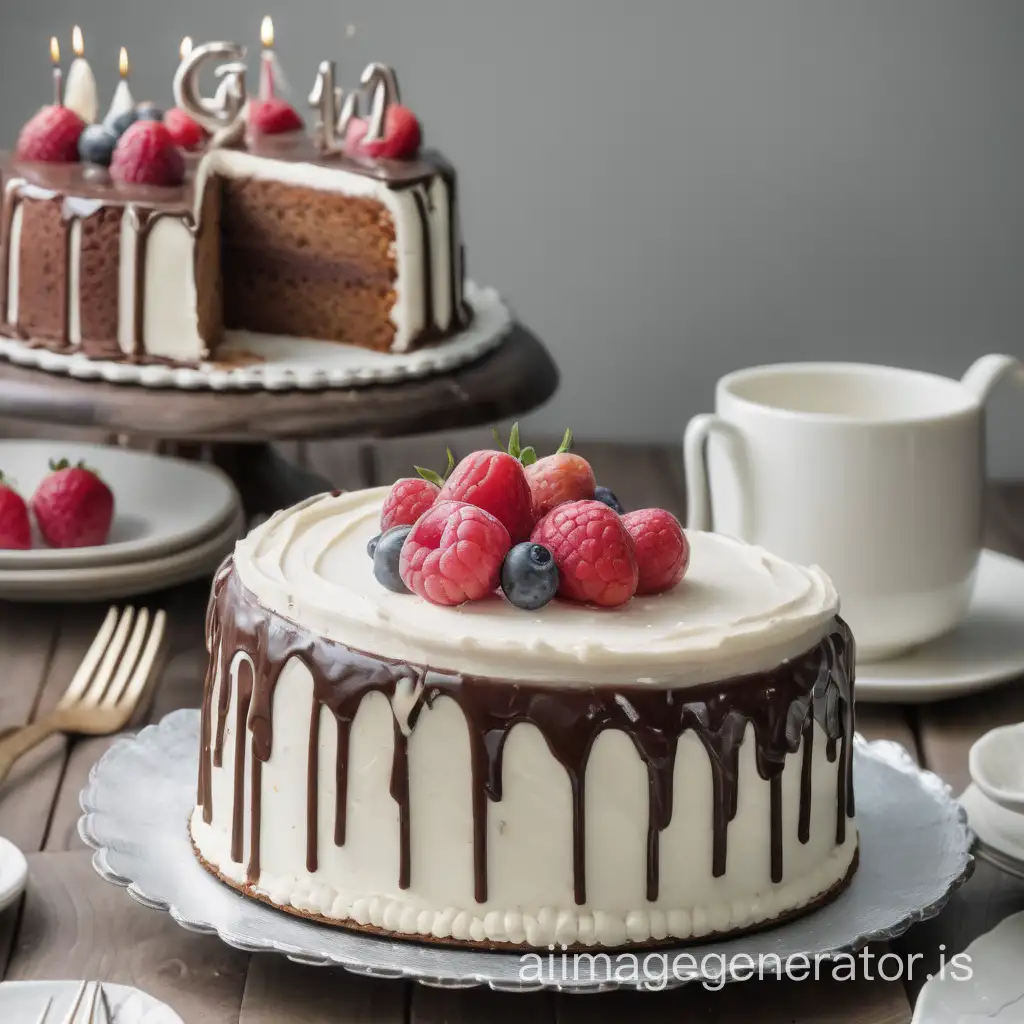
<point x="435" y="478"/>
<point x="56" y="465"/>
<point x="514" y="447"/>
<point x="497" y="438"/>
<point x="528" y="456"/>
<point x="567" y="442"/>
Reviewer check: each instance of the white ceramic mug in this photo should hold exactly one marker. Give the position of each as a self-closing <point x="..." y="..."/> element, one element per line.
<point x="874" y="473"/>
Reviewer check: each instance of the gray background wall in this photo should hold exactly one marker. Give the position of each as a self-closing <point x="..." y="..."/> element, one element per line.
<point x="670" y="189"/>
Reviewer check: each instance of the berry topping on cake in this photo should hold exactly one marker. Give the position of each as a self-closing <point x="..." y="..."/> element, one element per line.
<point x="529" y="576"/>
<point x="15" y="531"/>
<point x="73" y="506"/>
<point x="607" y="495"/>
<point x="559" y="478"/>
<point x="662" y="550"/>
<point x="148" y="112"/>
<point x="387" y="554"/>
<point x="51" y="136"/>
<point x="411" y="496"/>
<point x="593" y="551"/>
<point x="454" y="553"/>
<point x="187" y="133"/>
<point x="274" y="116"/>
<point x="122" y="122"/>
<point x="146" y="155"/>
<point x="96" y="145"/>
<point x="401" y="141"/>
<point x="495" y="482"/>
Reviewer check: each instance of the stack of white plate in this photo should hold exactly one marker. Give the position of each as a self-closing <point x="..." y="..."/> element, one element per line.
<point x="173" y="521"/>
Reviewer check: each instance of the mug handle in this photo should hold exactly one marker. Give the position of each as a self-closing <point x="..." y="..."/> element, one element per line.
<point x="695" y="469"/>
<point x="985" y="373"/>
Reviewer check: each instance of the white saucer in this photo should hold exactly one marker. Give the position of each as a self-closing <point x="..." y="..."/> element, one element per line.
<point x="994" y="992"/>
<point x="13" y="873"/>
<point x="22" y="1002"/>
<point x="287" y="363"/>
<point x="985" y="649"/>
<point x="113" y="582"/>
<point x="161" y="505"/>
<point x="1000" y="833"/>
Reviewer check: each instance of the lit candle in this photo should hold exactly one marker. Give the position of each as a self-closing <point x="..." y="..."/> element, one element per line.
<point x="58" y="77"/>
<point x="123" y="100"/>
<point x="267" y="59"/>
<point x="80" y="91"/>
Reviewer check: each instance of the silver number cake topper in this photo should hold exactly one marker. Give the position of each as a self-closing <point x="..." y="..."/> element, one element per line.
<point x="378" y="83"/>
<point x="222" y="115"/>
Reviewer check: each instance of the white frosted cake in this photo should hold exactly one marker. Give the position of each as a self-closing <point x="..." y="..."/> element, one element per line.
<point x="674" y="767"/>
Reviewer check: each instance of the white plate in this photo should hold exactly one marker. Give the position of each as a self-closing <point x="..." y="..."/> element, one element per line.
<point x="994" y="994"/>
<point x="161" y="504"/>
<point x="13" y="873"/>
<point x="1000" y="832"/>
<point x="21" y="1002"/>
<point x="291" y="362"/>
<point x="107" y="582"/>
<point x="985" y="649"/>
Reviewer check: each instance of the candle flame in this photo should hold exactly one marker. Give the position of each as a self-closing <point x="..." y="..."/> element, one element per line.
<point x="122" y="63"/>
<point x="186" y="47"/>
<point x="54" y="50"/>
<point x="76" y="41"/>
<point x="267" y="32"/>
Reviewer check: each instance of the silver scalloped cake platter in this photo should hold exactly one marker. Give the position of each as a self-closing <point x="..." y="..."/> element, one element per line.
<point x="283" y="364"/>
<point x="915" y="852"/>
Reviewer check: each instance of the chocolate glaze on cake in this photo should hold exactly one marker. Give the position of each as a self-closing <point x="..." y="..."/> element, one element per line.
<point x="781" y="705"/>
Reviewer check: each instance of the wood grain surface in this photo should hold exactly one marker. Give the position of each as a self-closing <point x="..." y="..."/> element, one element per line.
<point x="72" y="924"/>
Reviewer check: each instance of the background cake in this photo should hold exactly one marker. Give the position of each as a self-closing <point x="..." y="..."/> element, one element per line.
<point x="675" y="766"/>
<point x="271" y="232"/>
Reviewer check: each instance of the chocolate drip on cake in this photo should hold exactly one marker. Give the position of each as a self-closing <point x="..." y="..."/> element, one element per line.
<point x="779" y="706"/>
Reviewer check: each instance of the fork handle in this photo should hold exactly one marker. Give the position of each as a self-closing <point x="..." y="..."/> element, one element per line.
<point x="22" y="740"/>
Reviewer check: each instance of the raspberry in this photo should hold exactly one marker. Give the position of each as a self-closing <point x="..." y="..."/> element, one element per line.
<point x="454" y="554"/>
<point x="558" y="478"/>
<point x="662" y="550"/>
<point x="495" y="482"/>
<point x="186" y="133"/>
<point x="273" y="117"/>
<point x="402" y="136"/>
<point x="407" y="500"/>
<point x="593" y="552"/>
<point x="147" y="155"/>
<point x="51" y="136"/>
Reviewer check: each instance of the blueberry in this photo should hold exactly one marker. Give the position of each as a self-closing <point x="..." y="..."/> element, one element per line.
<point x="120" y="124"/>
<point x="148" y="112"/>
<point x="529" y="576"/>
<point x="385" y="558"/>
<point x="96" y="145"/>
<point x="371" y="545"/>
<point x="605" y="494"/>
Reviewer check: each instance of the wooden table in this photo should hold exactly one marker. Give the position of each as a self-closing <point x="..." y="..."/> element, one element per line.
<point x="71" y="924"/>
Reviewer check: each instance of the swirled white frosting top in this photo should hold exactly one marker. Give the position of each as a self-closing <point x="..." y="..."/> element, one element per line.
<point x="739" y="609"/>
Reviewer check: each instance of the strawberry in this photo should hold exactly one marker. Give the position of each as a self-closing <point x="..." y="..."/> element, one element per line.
<point x="273" y="117"/>
<point x="454" y="554"/>
<point x="73" y="506"/>
<point x="495" y="482"/>
<point x="184" y="131"/>
<point x="147" y="155"/>
<point x="558" y="478"/>
<point x="401" y="141"/>
<point x="51" y="136"/>
<point x="662" y="550"/>
<point x="411" y="496"/>
<point x="15" y="531"/>
<point x="594" y="553"/>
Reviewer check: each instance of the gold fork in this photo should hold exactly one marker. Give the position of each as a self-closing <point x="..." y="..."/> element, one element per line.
<point x="107" y="688"/>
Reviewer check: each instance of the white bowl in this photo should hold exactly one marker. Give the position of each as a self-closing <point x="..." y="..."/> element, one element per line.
<point x="997" y="766"/>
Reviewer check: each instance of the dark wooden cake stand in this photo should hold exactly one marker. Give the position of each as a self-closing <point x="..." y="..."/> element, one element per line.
<point x="234" y="428"/>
